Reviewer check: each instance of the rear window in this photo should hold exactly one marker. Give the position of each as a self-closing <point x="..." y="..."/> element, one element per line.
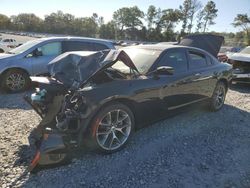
<point x="197" y="60"/>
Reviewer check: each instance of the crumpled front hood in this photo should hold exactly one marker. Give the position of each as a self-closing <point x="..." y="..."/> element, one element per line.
<point x="73" y="68"/>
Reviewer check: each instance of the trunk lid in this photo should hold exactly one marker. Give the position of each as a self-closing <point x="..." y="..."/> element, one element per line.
<point x="208" y="42"/>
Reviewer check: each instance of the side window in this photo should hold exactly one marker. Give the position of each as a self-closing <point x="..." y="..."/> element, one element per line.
<point x="6" y="40"/>
<point x="99" y="47"/>
<point x="77" y="46"/>
<point x="197" y="60"/>
<point x="175" y="58"/>
<point x="54" y="48"/>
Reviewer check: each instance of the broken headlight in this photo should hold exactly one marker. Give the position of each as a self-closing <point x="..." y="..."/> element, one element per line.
<point x="39" y="96"/>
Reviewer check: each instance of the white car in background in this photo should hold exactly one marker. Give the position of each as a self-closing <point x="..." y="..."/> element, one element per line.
<point x="7" y="44"/>
<point x="241" y="65"/>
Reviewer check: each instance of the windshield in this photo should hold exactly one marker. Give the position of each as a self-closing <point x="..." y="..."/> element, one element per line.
<point x="24" y="47"/>
<point x="142" y="58"/>
<point x="245" y="50"/>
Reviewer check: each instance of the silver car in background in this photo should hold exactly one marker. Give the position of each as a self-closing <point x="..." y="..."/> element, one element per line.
<point x="31" y="58"/>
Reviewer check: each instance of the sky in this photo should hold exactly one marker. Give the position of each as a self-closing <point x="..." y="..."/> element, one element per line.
<point x="227" y="9"/>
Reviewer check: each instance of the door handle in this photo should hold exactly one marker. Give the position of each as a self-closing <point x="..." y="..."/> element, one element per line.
<point x="197" y="74"/>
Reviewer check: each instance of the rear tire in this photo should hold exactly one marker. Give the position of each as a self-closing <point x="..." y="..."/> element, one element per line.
<point x="218" y="98"/>
<point x="111" y="128"/>
<point x="15" y="80"/>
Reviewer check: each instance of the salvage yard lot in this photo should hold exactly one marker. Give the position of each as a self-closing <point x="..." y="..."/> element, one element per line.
<point x="197" y="148"/>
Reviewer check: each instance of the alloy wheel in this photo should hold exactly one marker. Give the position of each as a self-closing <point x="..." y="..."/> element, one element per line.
<point x="113" y="129"/>
<point x="219" y="96"/>
<point x="15" y="81"/>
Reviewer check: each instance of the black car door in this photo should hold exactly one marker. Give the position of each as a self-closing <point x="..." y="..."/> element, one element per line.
<point x="175" y="91"/>
<point x="200" y="74"/>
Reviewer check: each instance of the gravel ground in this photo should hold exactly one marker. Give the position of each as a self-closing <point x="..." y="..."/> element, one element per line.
<point x="193" y="149"/>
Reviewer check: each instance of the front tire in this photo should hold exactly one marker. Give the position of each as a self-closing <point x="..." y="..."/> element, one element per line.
<point x="14" y="81"/>
<point x="111" y="128"/>
<point x="218" y="98"/>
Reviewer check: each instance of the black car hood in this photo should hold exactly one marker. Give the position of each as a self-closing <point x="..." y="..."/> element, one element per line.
<point x="78" y="67"/>
<point x="208" y="42"/>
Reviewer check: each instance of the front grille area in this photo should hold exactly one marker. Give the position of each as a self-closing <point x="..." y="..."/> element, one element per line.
<point x="242" y="66"/>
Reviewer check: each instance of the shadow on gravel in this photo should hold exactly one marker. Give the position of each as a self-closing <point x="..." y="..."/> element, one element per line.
<point x="14" y="101"/>
<point x="24" y="155"/>
<point x="195" y="146"/>
<point x="240" y="87"/>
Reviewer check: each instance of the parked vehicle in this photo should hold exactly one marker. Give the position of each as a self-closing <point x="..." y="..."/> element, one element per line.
<point x="7" y="44"/>
<point x="241" y="65"/>
<point x="226" y="51"/>
<point x="31" y="58"/>
<point x="101" y="98"/>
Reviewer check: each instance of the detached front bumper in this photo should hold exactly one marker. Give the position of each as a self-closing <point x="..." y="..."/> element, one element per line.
<point x="243" y="78"/>
<point x="50" y="149"/>
<point x="242" y="75"/>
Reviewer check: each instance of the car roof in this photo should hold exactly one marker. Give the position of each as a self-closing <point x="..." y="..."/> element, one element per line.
<point x="75" y="39"/>
<point x="163" y="47"/>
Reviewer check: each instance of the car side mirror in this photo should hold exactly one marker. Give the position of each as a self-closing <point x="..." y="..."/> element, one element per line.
<point x="37" y="53"/>
<point x="164" y="70"/>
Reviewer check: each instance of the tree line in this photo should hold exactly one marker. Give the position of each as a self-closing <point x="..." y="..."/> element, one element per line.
<point x="128" y="23"/>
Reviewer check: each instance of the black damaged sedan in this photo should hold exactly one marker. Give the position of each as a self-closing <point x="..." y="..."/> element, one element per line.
<point x="101" y="98"/>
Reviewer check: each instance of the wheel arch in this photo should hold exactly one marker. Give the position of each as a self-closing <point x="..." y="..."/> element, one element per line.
<point x="224" y="81"/>
<point x="14" y="68"/>
<point x="87" y="125"/>
<point x="125" y="101"/>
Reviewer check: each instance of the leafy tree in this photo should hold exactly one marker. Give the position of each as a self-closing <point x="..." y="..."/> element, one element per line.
<point x="169" y="18"/>
<point x="199" y="24"/>
<point x="188" y="10"/>
<point x="161" y="23"/>
<point x="107" y="31"/>
<point x="195" y="7"/>
<point x="151" y="16"/>
<point x="185" y="8"/>
<point x="99" y="20"/>
<point x="59" y="23"/>
<point x="243" y="21"/>
<point x="85" y="26"/>
<point x="27" y="22"/>
<point x="4" y="21"/>
<point x="206" y="16"/>
<point x="128" y="18"/>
